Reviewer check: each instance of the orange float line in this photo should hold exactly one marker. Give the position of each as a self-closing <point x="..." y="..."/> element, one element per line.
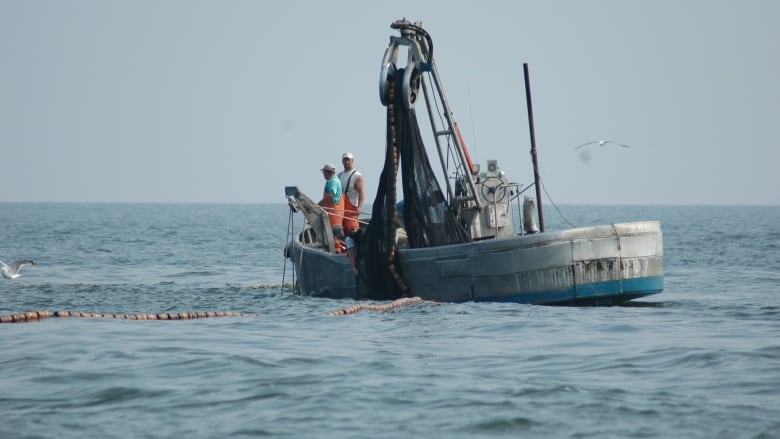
<point x="30" y="316"/>
<point x="352" y="309"/>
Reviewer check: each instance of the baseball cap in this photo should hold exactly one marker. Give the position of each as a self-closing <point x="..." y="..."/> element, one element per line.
<point x="329" y="167"/>
<point x="348" y="155"/>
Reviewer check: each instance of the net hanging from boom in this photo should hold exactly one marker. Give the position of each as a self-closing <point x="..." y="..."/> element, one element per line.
<point x="428" y="218"/>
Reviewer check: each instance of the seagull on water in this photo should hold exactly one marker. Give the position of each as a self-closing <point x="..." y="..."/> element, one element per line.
<point x="12" y="271"/>
<point x="601" y="143"/>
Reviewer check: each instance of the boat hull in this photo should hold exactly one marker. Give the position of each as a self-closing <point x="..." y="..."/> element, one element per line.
<point x="596" y="265"/>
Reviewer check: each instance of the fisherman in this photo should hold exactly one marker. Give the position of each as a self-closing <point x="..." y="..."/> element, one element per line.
<point x="354" y="189"/>
<point x="332" y="201"/>
<point x="351" y="243"/>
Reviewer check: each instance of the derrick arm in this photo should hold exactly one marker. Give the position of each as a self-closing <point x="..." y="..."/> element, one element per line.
<point x="476" y="197"/>
<point x="421" y="72"/>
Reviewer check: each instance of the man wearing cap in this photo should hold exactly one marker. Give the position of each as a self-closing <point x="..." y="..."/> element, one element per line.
<point x="332" y="201"/>
<point x="354" y="191"/>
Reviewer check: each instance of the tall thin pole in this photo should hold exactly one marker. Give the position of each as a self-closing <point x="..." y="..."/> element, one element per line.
<point x="534" y="157"/>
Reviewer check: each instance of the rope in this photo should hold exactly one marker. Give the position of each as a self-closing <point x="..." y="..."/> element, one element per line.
<point x="331" y="211"/>
<point x="286" y="246"/>
<point x="30" y="316"/>
<point x="296" y="287"/>
<point x="391" y="200"/>
<point x="555" y="205"/>
<point x="272" y="286"/>
<point x="375" y="307"/>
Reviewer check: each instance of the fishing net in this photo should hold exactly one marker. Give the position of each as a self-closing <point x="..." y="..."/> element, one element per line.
<point x="427" y="216"/>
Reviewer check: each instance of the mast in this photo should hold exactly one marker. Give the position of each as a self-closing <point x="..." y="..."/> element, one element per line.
<point x="534" y="157"/>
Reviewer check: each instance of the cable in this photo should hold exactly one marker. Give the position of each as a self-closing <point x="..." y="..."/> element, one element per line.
<point x="286" y="246"/>
<point x="544" y="188"/>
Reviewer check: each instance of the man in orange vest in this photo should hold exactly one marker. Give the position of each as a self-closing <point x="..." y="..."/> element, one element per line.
<point x="332" y="201"/>
<point x="354" y="192"/>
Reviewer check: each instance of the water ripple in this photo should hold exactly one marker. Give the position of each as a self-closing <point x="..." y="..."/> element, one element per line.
<point x="698" y="361"/>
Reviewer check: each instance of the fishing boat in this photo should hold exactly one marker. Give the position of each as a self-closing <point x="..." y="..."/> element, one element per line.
<point x="479" y="237"/>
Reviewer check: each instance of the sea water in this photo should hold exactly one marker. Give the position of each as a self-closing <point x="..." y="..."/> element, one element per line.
<point x="699" y="360"/>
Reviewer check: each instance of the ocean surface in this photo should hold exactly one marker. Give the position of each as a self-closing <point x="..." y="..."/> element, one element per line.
<point x="699" y="360"/>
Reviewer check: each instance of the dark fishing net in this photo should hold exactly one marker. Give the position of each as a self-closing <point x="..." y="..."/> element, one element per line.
<point x="427" y="216"/>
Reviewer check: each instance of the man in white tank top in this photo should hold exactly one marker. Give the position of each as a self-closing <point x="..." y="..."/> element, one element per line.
<point x="354" y="192"/>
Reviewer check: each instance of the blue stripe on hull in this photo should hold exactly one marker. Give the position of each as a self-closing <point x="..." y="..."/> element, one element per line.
<point x="650" y="283"/>
<point x="605" y="293"/>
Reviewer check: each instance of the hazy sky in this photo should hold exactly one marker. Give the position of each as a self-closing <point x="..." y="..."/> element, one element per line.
<point x="230" y="101"/>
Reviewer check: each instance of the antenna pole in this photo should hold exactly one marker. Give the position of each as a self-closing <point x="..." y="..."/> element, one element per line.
<point x="534" y="157"/>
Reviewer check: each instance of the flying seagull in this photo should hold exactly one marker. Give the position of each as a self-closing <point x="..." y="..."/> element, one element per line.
<point x="12" y="271"/>
<point x="601" y="143"/>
